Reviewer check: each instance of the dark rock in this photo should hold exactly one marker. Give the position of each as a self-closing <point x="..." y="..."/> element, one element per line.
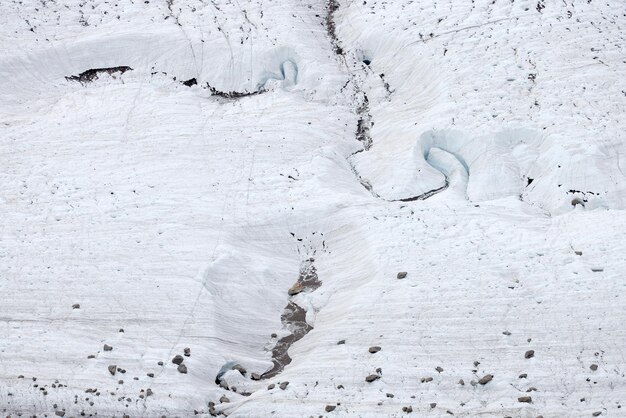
<point x="371" y="378"/>
<point x="374" y="349"/>
<point x="401" y="275"/>
<point x="107" y="347"/>
<point x="182" y="369"/>
<point x="407" y="409"/>
<point x="330" y="408"/>
<point x="531" y="389"/>
<point x="224" y="399"/>
<point x="439" y="369"/>
<point x="255" y="376"/>
<point x="187" y="352"/>
<point x="149" y="392"/>
<point x="271" y="386"/>
<point x="485" y="379"/>
<point x="150" y="374"/>
<point x="160" y="363"/>
<point x="121" y="330"/>
<point x="461" y="382"/>
<point x="529" y="354"/>
<point x="76" y="306"/>
<point x="341" y="342"/>
<point x="59" y="413"/>
<point x="525" y="399"/>
<point x="596" y="414"/>
<point x="295" y="289"/>
<point x="240" y="369"/>
<point x="523" y="376"/>
<point x="283" y="385"/>
<point x="507" y="333"/>
<point x="390" y="395"/>
<point x="594" y="367"/>
<point x="112" y="369"/>
<point x="433" y="405"/>
<point x="178" y="359"/>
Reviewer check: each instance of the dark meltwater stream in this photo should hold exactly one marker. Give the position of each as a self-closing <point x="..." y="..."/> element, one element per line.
<point x="293" y="318"/>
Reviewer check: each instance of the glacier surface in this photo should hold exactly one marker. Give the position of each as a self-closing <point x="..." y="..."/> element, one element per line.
<point x="239" y="183"/>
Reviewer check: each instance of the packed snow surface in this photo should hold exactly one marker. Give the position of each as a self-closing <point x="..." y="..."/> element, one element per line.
<point x="343" y="208"/>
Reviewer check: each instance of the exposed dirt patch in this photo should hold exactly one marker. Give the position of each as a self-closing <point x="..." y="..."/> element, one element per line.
<point x="93" y="74"/>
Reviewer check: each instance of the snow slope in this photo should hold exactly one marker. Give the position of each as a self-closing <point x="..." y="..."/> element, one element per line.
<point x="170" y="198"/>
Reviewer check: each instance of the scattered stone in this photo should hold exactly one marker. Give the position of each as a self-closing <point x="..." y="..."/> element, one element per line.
<point x="182" y="369"/>
<point x="160" y="363"/>
<point x="523" y="376"/>
<point x="433" y="405"/>
<point x="402" y="275"/>
<point x="271" y="386"/>
<point x="224" y="399"/>
<point x="59" y="413"/>
<point x="461" y="382"/>
<point x="473" y="382"/>
<point x="76" y="306"/>
<point x="507" y="333"/>
<point x="485" y="379"/>
<point x="578" y="252"/>
<point x="107" y="347"/>
<point x="121" y="330"/>
<point x="531" y="389"/>
<point x="295" y="289"/>
<point x="274" y="335"/>
<point x="371" y="378"/>
<point x="283" y="385"/>
<point x="439" y="369"/>
<point x="150" y="374"/>
<point x="240" y="369"/>
<point x="255" y="376"/>
<point x="91" y="356"/>
<point x="121" y="382"/>
<point x="341" y="342"/>
<point x="374" y="349"/>
<point x="525" y="399"/>
<point x="597" y="269"/>
<point x="178" y="359"/>
<point x="529" y="354"/>
<point x="594" y="367"/>
<point x="340" y="387"/>
<point x="330" y="408"/>
<point x="407" y="409"/>
<point x="112" y="369"/>
<point x="597" y="414"/>
<point x="187" y="352"/>
<point x="426" y="379"/>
